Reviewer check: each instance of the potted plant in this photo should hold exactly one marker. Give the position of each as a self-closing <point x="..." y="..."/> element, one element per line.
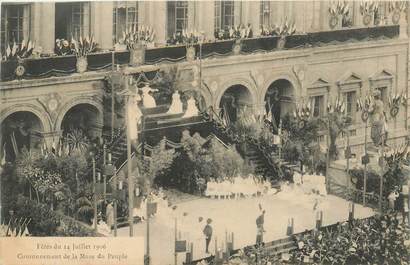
<point x="285" y="29"/>
<point x="368" y="9"/>
<point x="136" y="41"/>
<point x="338" y="12"/>
<point x="81" y="49"/>
<point x="395" y="8"/>
<point x="190" y="38"/>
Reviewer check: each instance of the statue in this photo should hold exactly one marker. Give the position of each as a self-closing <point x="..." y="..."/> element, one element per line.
<point x="378" y="120"/>
<point x="135" y="116"/>
<point x="109" y="212"/>
<point x="148" y="101"/>
<point x="176" y="105"/>
<point x="191" y="109"/>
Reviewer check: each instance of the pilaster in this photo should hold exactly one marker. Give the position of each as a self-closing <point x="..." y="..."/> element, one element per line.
<point x="206" y="18"/>
<point x="158" y="19"/>
<point x="46" y="30"/>
<point x="101" y="23"/>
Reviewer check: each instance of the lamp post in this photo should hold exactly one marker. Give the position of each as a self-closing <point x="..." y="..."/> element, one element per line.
<point x="95" y="195"/>
<point x="364" y="105"/>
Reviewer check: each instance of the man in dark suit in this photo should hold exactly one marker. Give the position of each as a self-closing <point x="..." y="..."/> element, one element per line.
<point x="208" y="234"/>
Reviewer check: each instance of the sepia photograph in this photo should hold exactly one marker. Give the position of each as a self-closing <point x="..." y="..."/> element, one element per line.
<point x="209" y="132"/>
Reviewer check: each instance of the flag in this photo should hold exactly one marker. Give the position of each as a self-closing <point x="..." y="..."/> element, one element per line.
<point x="3" y="158"/>
<point x="53" y="147"/>
<point x="14" y="143"/>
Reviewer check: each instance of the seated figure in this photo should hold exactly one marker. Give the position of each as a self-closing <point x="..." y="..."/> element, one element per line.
<point x="176" y="105"/>
<point x="192" y="109"/>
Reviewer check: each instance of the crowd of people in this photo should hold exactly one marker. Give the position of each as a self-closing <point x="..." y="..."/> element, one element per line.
<point x="376" y="240"/>
<point x="238" y="187"/>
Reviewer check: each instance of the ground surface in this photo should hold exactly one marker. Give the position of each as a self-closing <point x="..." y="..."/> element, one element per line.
<point x="237" y="216"/>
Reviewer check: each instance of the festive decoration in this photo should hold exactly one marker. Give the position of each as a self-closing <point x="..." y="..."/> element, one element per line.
<point x="18" y="52"/>
<point x="133" y="38"/>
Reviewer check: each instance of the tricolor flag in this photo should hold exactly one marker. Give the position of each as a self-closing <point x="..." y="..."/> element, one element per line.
<point x="3" y="158"/>
<point x="53" y="147"/>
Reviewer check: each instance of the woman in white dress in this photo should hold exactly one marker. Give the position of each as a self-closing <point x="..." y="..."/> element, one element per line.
<point x="191" y="109"/>
<point x="176" y="105"/>
<point x="148" y="101"/>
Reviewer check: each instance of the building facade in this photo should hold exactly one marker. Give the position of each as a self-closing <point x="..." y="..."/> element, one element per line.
<point x="317" y="71"/>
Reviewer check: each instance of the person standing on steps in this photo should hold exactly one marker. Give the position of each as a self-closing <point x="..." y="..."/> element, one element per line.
<point x="259" y="227"/>
<point x="208" y="234"/>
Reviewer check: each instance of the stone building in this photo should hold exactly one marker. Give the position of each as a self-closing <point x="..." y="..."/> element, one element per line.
<point x="331" y="55"/>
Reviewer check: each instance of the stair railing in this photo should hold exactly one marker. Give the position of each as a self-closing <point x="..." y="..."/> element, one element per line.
<point x="235" y="138"/>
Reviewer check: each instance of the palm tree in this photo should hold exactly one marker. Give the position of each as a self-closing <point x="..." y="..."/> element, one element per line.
<point x="77" y="140"/>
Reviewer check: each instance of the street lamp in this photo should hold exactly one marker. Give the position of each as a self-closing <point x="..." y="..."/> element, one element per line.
<point x="364" y="106"/>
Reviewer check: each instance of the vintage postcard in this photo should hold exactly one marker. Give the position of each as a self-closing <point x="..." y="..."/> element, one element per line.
<point x="204" y="132"/>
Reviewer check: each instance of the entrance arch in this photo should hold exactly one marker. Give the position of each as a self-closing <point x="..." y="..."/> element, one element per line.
<point x="20" y="129"/>
<point x="235" y="100"/>
<point x="84" y="117"/>
<point x="279" y="98"/>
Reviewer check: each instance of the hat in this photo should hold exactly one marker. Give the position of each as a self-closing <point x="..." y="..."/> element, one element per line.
<point x="209" y="220"/>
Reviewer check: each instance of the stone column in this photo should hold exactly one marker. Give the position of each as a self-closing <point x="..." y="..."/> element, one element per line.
<point x="51" y="137"/>
<point x="206" y="18"/>
<point x="192" y="15"/>
<point x="102" y="24"/>
<point x="45" y="21"/>
<point x="403" y="24"/>
<point x="158" y="19"/>
<point x="254" y="17"/>
<point x="316" y="16"/>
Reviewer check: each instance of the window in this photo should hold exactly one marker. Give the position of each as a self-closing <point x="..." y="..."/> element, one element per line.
<point x="125" y="16"/>
<point x="383" y="92"/>
<point x="265" y="13"/>
<point x="224" y="14"/>
<point x="317" y="103"/>
<point x="350" y="101"/>
<point x="15" y="24"/>
<point x="177" y="16"/>
<point x="72" y="20"/>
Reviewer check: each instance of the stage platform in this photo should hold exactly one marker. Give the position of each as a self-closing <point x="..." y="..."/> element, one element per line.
<point x="238" y="216"/>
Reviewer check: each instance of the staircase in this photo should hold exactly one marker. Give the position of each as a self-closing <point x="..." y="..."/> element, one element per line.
<point x="253" y="155"/>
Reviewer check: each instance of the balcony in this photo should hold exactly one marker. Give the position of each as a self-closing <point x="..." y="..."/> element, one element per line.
<point x="66" y="65"/>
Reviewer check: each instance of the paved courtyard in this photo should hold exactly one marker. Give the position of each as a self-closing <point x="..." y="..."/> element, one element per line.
<point x="237" y="216"/>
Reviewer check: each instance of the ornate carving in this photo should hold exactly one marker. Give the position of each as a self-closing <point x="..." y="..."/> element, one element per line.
<point x="190" y="54"/>
<point x="51" y="103"/>
<point x="237" y="47"/>
<point x="137" y="56"/>
<point x="81" y="64"/>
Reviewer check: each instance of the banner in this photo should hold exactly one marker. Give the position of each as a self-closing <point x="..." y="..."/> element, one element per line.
<point x="180" y="246"/>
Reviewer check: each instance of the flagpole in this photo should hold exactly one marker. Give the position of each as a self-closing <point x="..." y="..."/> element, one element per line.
<point x="175" y="241"/>
<point x="95" y="196"/>
<point x="129" y="167"/>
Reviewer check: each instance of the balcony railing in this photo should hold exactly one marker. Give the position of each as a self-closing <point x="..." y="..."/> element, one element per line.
<point x="66" y="65"/>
